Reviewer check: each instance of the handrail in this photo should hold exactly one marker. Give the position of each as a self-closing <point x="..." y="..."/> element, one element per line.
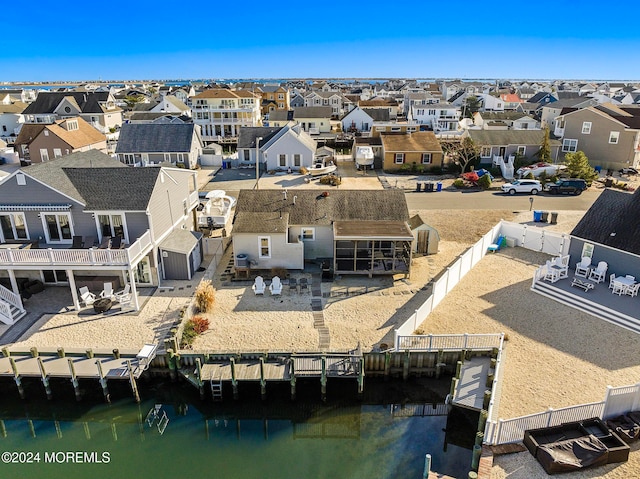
<point x="11" y="298"/>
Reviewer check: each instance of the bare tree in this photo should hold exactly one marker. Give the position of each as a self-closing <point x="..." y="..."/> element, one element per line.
<point x="462" y="153"/>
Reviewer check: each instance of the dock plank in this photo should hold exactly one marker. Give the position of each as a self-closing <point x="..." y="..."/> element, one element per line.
<point x="112" y="368"/>
<point x="472" y="383"/>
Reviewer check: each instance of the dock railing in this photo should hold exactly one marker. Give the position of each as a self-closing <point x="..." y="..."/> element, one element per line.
<point x="449" y="342"/>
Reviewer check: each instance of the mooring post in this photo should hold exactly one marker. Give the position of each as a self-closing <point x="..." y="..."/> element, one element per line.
<point x="487" y="399"/>
<point x="5" y="352"/>
<point x="427" y="467"/>
<point x="3" y="429"/>
<point x="475" y="460"/>
<point x="16" y="377"/>
<point x="61" y="353"/>
<point x="387" y="365"/>
<point x="479" y="438"/>
<point x="132" y="380"/>
<point x="323" y="378"/>
<point x="116" y="353"/>
<point x="90" y="353"/>
<point x="482" y="421"/>
<point x="87" y="431"/>
<point x="74" y="379"/>
<point x="439" y="363"/>
<point x="454" y="385"/>
<point x="199" y="376"/>
<point x="45" y="378"/>
<point x="292" y="372"/>
<point x="360" y="376"/>
<point x="458" y="368"/>
<point x="405" y="365"/>
<point x="103" y="381"/>
<point x="263" y="381"/>
<point x="34" y="352"/>
<point x="32" y="428"/>
<point x="234" y="380"/>
<point x="172" y="364"/>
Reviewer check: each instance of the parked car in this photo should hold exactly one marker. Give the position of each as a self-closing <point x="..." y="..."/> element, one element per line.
<point x="573" y="186"/>
<point x="523" y="186"/>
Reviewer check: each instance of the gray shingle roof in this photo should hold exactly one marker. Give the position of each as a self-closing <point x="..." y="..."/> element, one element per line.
<point x="248" y="135"/>
<point x="613" y="220"/>
<point x="311" y="208"/>
<point x="377" y="114"/>
<point x="312" y="112"/>
<point x="507" y="137"/>
<point x="155" y="137"/>
<point x="46" y="102"/>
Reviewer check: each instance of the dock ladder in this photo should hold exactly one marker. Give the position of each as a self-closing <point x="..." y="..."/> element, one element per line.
<point x="216" y="388"/>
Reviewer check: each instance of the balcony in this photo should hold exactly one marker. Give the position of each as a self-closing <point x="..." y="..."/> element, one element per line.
<point x="60" y="258"/>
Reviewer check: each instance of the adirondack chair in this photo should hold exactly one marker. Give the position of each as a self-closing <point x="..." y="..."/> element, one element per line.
<point x="86" y="296"/>
<point x="258" y="285"/>
<point x="276" y="286"/>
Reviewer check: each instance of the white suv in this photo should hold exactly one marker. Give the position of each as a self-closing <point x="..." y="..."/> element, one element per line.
<point x="523" y="186"/>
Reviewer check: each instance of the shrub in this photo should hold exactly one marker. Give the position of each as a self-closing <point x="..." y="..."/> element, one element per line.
<point x="529" y="176"/>
<point x="495" y="171"/>
<point x="405" y="167"/>
<point x="459" y="183"/>
<point x="484" y="182"/>
<point x="435" y="170"/>
<point x="281" y="273"/>
<point x="332" y="180"/>
<point x="188" y="334"/>
<point x="200" y="324"/>
<point x="205" y="296"/>
<point x="420" y="169"/>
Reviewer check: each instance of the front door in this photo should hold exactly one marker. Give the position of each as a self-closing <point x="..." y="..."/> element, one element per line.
<point x="502" y="152"/>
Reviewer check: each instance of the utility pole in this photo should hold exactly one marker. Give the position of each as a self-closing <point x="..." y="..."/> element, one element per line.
<point x="258" y="140"/>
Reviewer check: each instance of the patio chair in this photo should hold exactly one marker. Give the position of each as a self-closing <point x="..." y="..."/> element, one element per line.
<point x="116" y="243"/>
<point x="619" y="288"/>
<point x="633" y="290"/>
<point x="551" y="274"/>
<point x="123" y="296"/>
<point x="304" y="284"/>
<point x="104" y="244"/>
<point x="258" y="286"/>
<point x="276" y="286"/>
<point x="90" y="242"/>
<point x="582" y="268"/>
<point x="77" y="242"/>
<point x="612" y="276"/>
<point x="500" y="242"/>
<point x="86" y="296"/>
<point x="628" y="276"/>
<point x="293" y="284"/>
<point x="562" y="266"/>
<point x="107" y="291"/>
<point x="599" y="273"/>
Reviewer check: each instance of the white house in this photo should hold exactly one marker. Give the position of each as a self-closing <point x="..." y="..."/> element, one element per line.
<point x="357" y="120"/>
<point x="438" y="116"/>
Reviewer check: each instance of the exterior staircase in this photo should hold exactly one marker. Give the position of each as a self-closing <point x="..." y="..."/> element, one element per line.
<point x="11" y="309"/>
<point x="583" y="304"/>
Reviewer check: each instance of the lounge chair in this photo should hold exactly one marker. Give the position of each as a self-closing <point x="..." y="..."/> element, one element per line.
<point x="599" y="273"/>
<point x="86" y="296"/>
<point x="107" y="291"/>
<point x="500" y="242"/>
<point x="276" y="286"/>
<point x="123" y="296"/>
<point x="77" y="242"/>
<point x="258" y="285"/>
<point x="582" y="268"/>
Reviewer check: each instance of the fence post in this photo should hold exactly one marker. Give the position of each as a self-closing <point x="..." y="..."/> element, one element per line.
<point x="636" y="400"/>
<point x="607" y="395"/>
<point x="497" y="432"/>
<point x="550" y="415"/>
<point x="415" y="319"/>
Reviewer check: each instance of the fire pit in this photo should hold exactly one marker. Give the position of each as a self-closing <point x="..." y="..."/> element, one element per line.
<point x="102" y="305"/>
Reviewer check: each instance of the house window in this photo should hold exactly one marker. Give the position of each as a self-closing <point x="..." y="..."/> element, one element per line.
<point x="432" y="112"/>
<point x="399" y="158"/>
<point x="521" y="150"/>
<point x="57" y="153"/>
<point x="586" y="128"/>
<point x="297" y="160"/>
<point x="485" y="152"/>
<point x="72" y="125"/>
<point x="614" y="136"/>
<point x="426" y="158"/>
<point x="264" y="244"/>
<point x="128" y="158"/>
<point x="587" y="250"/>
<point x="396" y="128"/>
<point x="282" y="160"/>
<point x="569" y="145"/>
<point x="280" y="96"/>
<point x="111" y="225"/>
<point x="308" y="234"/>
<point x="57" y="227"/>
<point x="44" y="154"/>
<point x="13" y="226"/>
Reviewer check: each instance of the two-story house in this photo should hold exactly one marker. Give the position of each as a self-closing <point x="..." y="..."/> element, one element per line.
<point x="419" y="148"/>
<point x="313" y="119"/>
<point x="99" y="109"/>
<point x="440" y="117"/>
<point x="607" y="134"/>
<point x="504" y="120"/>
<point x="38" y="143"/>
<point x="274" y="97"/>
<point x="332" y="99"/>
<point x="221" y="112"/>
<point x="86" y="219"/>
<point x="146" y="144"/>
<point x="11" y="119"/>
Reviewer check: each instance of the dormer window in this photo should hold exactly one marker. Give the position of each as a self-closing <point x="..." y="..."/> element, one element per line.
<point x="72" y="125"/>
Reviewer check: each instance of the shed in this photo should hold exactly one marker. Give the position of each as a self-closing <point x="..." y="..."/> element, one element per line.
<point x="426" y="238"/>
<point x="181" y="254"/>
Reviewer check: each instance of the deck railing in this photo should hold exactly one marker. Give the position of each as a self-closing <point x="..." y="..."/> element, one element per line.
<point x="10" y="297"/>
<point x="449" y="342"/>
<point x="76" y="257"/>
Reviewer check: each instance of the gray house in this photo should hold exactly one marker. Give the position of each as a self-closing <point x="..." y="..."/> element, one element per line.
<point x="506" y="143"/>
<point x="85" y="219"/>
<point x="147" y="144"/>
<point x="357" y="231"/>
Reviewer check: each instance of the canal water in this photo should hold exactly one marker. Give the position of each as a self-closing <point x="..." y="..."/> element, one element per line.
<point x="173" y="433"/>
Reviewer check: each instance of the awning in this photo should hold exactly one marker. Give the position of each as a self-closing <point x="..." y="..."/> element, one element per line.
<point x="32" y="207"/>
<point x="372" y="230"/>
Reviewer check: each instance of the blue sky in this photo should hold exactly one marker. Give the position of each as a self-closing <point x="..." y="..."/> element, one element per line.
<point x="74" y="40"/>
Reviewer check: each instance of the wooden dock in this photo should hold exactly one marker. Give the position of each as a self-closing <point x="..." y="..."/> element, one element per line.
<point x="471" y="386"/>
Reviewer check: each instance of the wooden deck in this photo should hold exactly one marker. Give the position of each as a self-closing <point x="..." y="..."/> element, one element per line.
<point x="246" y="371"/>
<point x="472" y="384"/>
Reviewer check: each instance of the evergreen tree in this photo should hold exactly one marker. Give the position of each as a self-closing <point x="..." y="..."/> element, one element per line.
<point x="544" y="154"/>
<point x="578" y="167"/>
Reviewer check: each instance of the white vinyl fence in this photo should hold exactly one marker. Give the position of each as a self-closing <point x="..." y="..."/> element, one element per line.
<point x="536" y="239"/>
<point x="617" y="401"/>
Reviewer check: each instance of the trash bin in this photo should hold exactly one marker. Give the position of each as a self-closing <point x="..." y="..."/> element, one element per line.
<point x="511" y="242"/>
<point x="545" y="216"/>
<point x="439" y="186"/>
<point x="429" y="186"/>
<point x="554" y="217"/>
<point x="608" y="182"/>
<point x="418" y="186"/>
<point x="537" y="216"/>
<point x="597" y="168"/>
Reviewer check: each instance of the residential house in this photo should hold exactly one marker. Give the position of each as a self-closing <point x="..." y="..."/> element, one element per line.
<point x="297" y="101"/>
<point x="388" y="104"/>
<point x="332" y="99"/>
<point x="511" y="101"/>
<point x="184" y="94"/>
<point x="11" y="119"/>
<point x="419" y="148"/>
<point x="359" y="120"/>
<point x="417" y="98"/>
<point x="504" y="120"/>
<point x="99" y="109"/>
<point x="607" y="134"/>
<point x="314" y="119"/>
<point x="146" y="144"/>
<point x="91" y="197"/>
<point x="440" y="117"/>
<point x="274" y="97"/>
<point x="285" y="147"/>
<point x="23" y="95"/>
<point x="608" y="232"/>
<point x="166" y="104"/>
<point x="148" y="117"/>
<point x="503" y="144"/>
<point x="491" y="102"/>
<point x="39" y="143"/>
<point x="552" y="110"/>
<point x="355" y="231"/>
<point x="221" y="112"/>
<point x="543" y="97"/>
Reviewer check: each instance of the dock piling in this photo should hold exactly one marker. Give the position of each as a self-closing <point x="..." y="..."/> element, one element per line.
<point x="361" y="376"/>
<point x="263" y="381"/>
<point x="405" y="365"/>
<point x="103" y="381"/>
<point x="323" y="379"/>
<point x="427" y="466"/>
<point x="199" y="377"/>
<point x="74" y="379"/>
<point x="292" y="372"/>
<point x="234" y="380"/>
<point x="45" y="378"/>
<point x="132" y="380"/>
<point x="16" y="377"/>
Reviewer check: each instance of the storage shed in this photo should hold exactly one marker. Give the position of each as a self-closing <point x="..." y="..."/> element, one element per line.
<point x="181" y="254"/>
<point x="426" y="238"/>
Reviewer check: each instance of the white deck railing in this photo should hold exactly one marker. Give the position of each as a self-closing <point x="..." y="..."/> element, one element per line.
<point x="5" y="313"/>
<point x="76" y="257"/>
<point x="453" y="342"/>
<point x="10" y="297"/>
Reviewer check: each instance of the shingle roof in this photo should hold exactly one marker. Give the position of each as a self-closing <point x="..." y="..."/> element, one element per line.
<point x="501" y="115"/>
<point x="418" y="141"/>
<point x="260" y="210"/>
<point x="249" y="134"/>
<point x="224" y="93"/>
<point x="377" y="114"/>
<point x="613" y="220"/>
<point x="312" y="112"/>
<point x="85" y="135"/>
<point x="281" y="115"/>
<point x="52" y="172"/>
<point x="46" y="102"/>
<point x="507" y="137"/>
<point x="15" y="107"/>
<point x="155" y="138"/>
